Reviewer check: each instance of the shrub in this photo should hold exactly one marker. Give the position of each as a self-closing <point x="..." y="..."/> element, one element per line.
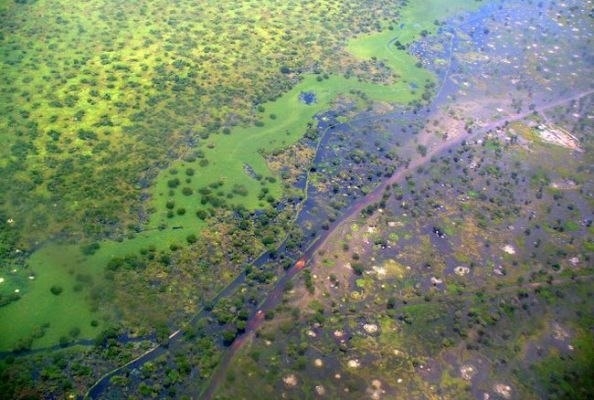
<point x="358" y="268"/>
<point x="173" y="183"/>
<point x="90" y="249"/>
<point x="56" y="290"/>
<point x="201" y="214"/>
<point x="191" y="238"/>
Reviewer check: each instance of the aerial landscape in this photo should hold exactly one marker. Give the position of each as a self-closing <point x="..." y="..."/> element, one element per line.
<point x="322" y="199"/>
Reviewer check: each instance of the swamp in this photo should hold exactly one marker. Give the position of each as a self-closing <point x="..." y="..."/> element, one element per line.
<point x="296" y="199"/>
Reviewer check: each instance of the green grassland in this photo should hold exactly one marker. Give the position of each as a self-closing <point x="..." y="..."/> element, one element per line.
<point x="237" y="162"/>
<point x="97" y="99"/>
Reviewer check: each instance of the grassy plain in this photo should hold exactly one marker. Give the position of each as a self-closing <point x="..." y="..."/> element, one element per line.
<point x="90" y="116"/>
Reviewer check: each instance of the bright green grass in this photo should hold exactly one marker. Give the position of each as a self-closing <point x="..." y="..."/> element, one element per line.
<point x="60" y="265"/>
<point x="62" y="312"/>
<point x="228" y="155"/>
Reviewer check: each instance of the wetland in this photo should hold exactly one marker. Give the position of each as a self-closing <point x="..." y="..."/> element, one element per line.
<point x="319" y="199"/>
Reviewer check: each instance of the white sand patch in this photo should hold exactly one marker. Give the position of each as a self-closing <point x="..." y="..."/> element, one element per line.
<point x="566" y="184"/>
<point x="559" y="333"/>
<point x="498" y="270"/>
<point x="290" y="380"/>
<point x="381" y="271"/>
<point x="509" y="249"/>
<point x="467" y="371"/>
<point x="503" y="390"/>
<point x="370" y="328"/>
<point x="559" y="137"/>
<point x="435" y="281"/>
<point x="375" y="391"/>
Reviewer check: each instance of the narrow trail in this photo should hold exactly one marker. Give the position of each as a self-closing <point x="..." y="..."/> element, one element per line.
<point x="351" y="214"/>
<point x="375" y="196"/>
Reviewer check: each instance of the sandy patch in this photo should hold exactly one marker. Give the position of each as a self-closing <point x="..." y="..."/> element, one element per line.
<point x="509" y="249"/>
<point x="558" y="136"/>
<point x="371" y="328"/>
<point x="503" y="390"/>
<point x="467" y="371"/>
<point x="290" y="380"/>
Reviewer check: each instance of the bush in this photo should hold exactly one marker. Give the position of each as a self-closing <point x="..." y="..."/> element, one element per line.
<point x="173" y="183"/>
<point x="422" y="150"/>
<point x="191" y="238"/>
<point x="229" y="335"/>
<point x="56" y="290"/>
<point x="201" y="214"/>
<point x="357" y="268"/>
<point x="90" y="249"/>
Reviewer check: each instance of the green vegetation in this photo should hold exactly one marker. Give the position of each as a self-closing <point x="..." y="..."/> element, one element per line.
<point x="152" y="151"/>
<point x="91" y="129"/>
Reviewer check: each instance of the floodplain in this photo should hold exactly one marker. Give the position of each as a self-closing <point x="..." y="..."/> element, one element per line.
<point x="377" y="200"/>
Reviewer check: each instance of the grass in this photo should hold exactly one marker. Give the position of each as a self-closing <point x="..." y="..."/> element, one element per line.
<point x="63" y="265"/>
<point x="237" y="159"/>
<point x="63" y="312"/>
<point x="95" y="177"/>
<point x="227" y="157"/>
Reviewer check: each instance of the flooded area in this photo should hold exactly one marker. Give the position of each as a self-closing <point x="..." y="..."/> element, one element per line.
<point x="440" y="247"/>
